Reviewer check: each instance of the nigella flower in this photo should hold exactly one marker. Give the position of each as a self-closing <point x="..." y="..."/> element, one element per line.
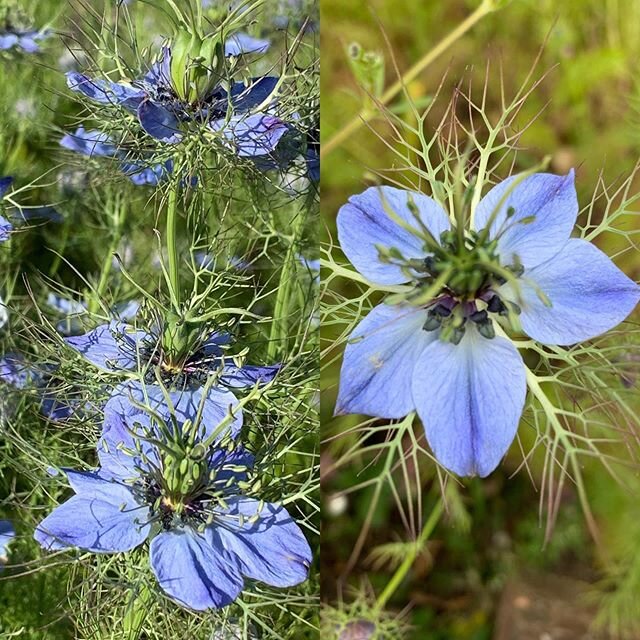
<point x="74" y="310"/>
<point x="118" y="347"/>
<point x="206" y="536"/>
<point x="5" y="225"/>
<point x="7" y="534"/>
<point x="17" y="372"/>
<point x="439" y="354"/>
<point x="26" y="40"/>
<point x="242" y="43"/>
<point x="93" y="143"/>
<point x="161" y="110"/>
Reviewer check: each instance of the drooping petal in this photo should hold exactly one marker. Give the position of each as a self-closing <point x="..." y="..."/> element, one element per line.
<point x="364" y="223"/>
<point x="248" y="375"/>
<point x="255" y="135"/>
<point x="105" y="92"/>
<point x="159" y="122"/>
<point x="266" y="542"/>
<point x="588" y="295"/>
<point x="552" y="202"/>
<point x="240" y="43"/>
<point x="89" y="143"/>
<point x="104" y="517"/>
<point x="191" y="572"/>
<point x="470" y="398"/>
<point x="112" y="347"/>
<point x="378" y="364"/>
<point x="216" y="406"/>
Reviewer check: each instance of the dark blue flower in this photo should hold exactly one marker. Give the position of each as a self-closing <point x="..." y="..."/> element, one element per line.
<point x="205" y="535"/>
<point x="440" y="356"/>
<point x="161" y="111"/>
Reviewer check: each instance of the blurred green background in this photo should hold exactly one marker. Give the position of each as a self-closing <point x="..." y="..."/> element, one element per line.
<point x="488" y="572"/>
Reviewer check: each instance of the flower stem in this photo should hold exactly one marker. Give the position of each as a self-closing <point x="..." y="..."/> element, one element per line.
<point x="281" y="312"/>
<point x="366" y="115"/>
<point x="172" y="247"/>
<point x="403" y="569"/>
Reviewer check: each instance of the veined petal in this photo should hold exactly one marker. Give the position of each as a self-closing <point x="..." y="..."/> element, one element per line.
<point x="192" y="572"/>
<point x="364" y="223"/>
<point x="5" y="229"/>
<point x="470" y="398"/>
<point x="378" y="364"/>
<point x="550" y="200"/>
<point x="248" y="375"/>
<point x="103" y="91"/>
<point x="265" y="541"/>
<point x="254" y="135"/>
<point x="89" y="143"/>
<point x="159" y="122"/>
<point x="186" y="404"/>
<point x="104" y="518"/>
<point x="587" y="292"/>
<point x="114" y="346"/>
<point x="240" y="43"/>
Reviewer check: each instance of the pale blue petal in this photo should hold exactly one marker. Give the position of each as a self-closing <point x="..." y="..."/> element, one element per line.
<point x="248" y="375"/>
<point x="104" y="91"/>
<point x="5" y="229"/>
<point x="551" y="199"/>
<point x="268" y="545"/>
<point x="89" y="143"/>
<point x="7" y="534"/>
<point x="114" y="346"/>
<point x="159" y="122"/>
<point x="191" y="572"/>
<point x="104" y="518"/>
<point x="470" y="398"/>
<point x="186" y="403"/>
<point x="379" y="359"/>
<point x="255" y="135"/>
<point x="364" y="223"/>
<point x="588" y="294"/>
<point x="240" y="43"/>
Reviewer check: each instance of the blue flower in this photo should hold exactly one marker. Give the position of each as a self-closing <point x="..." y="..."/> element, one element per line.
<point x="73" y="310"/>
<point x="94" y="143"/>
<point x="242" y="43"/>
<point x="7" y="534"/>
<point x="205" y="535"/>
<point x="14" y="370"/>
<point x="160" y="110"/>
<point x="5" y="225"/>
<point x="25" y="40"/>
<point x="440" y="356"/>
<point x="118" y="347"/>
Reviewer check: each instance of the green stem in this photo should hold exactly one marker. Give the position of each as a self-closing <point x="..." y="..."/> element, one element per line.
<point x="365" y="116"/>
<point x="407" y="563"/>
<point x="172" y="247"/>
<point x="280" y="325"/>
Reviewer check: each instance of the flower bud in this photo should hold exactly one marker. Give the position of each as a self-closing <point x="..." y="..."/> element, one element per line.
<point x="197" y="65"/>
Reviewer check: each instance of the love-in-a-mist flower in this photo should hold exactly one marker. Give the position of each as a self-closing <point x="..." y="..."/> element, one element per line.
<point x="435" y="351"/>
<point x="93" y="143"/>
<point x="177" y="91"/>
<point x="7" y="534"/>
<point x="184" y="362"/>
<point x="183" y="488"/>
<point x="24" y="39"/>
<point x="5" y="225"/>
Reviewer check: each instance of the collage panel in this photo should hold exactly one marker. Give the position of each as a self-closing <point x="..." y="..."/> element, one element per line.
<point x="479" y="414"/>
<point x="159" y="453"/>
